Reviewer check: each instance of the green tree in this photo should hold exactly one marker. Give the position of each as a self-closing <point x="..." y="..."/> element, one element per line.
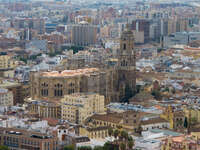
<point x="130" y="144"/>
<point x="116" y="133"/>
<point x="85" y="148"/>
<point x="4" y="147"/>
<point x="110" y="131"/>
<point x="157" y="95"/>
<point x="167" y="89"/>
<point x="130" y="138"/>
<point x="139" y="130"/>
<point x="69" y="147"/>
<point x="23" y="59"/>
<point x="110" y="146"/>
<point x="123" y="146"/>
<point x="124" y="135"/>
<point x="98" y="148"/>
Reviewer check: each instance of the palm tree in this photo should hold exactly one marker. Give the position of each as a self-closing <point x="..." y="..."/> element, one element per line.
<point x="3" y="147"/>
<point x="116" y="133"/>
<point x="124" y="135"/>
<point x="85" y="148"/>
<point x="98" y="148"/>
<point x="69" y="147"/>
<point x="110" y="131"/>
<point x="122" y="146"/>
<point x="130" y="142"/>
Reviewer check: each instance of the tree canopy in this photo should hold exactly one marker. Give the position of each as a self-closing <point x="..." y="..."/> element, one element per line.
<point x="3" y="147"/>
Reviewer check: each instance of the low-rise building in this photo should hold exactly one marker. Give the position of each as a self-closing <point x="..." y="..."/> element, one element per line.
<point x="192" y="114"/>
<point x="16" y="88"/>
<point x="46" y="109"/>
<point x="129" y="120"/>
<point x="19" y="139"/>
<point x="180" y="38"/>
<point x="154" y="123"/>
<point x="179" y="142"/>
<point x="175" y="117"/>
<point x="95" y="132"/>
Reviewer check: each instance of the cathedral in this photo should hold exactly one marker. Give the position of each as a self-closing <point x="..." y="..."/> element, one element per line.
<point x="117" y="84"/>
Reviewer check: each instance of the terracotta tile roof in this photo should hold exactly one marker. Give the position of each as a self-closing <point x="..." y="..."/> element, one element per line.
<point x="98" y="128"/>
<point x="112" y="117"/>
<point x="153" y="121"/>
<point x="178" y="139"/>
<point x="51" y="121"/>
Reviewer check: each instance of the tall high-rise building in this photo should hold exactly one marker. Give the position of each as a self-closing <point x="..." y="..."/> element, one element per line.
<point x="141" y="25"/>
<point x="83" y="34"/>
<point x="172" y="25"/>
<point x="164" y="27"/>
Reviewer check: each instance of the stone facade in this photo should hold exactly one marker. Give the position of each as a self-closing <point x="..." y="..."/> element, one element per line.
<point x="95" y="132"/>
<point x="54" y="85"/>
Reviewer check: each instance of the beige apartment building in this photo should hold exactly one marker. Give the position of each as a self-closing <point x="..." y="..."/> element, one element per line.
<point x="6" y="61"/>
<point x="6" y="97"/>
<point x="79" y="106"/>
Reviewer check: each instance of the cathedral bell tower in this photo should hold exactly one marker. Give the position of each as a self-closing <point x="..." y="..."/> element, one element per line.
<point x="126" y="65"/>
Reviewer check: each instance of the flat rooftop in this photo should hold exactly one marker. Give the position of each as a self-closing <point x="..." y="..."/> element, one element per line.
<point x="166" y="132"/>
<point x="8" y="84"/>
<point x="23" y="133"/>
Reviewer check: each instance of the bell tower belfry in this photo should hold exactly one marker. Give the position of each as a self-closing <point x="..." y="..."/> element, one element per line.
<point x="126" y="67"/>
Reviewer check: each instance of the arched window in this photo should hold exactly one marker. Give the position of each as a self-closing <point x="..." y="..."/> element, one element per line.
<point x="58" y="91"/>
<point x="44" y="84"/>
<point x="55" y="92"/>
<point x="124" y="46"/>
<point x="124" y="63"/>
